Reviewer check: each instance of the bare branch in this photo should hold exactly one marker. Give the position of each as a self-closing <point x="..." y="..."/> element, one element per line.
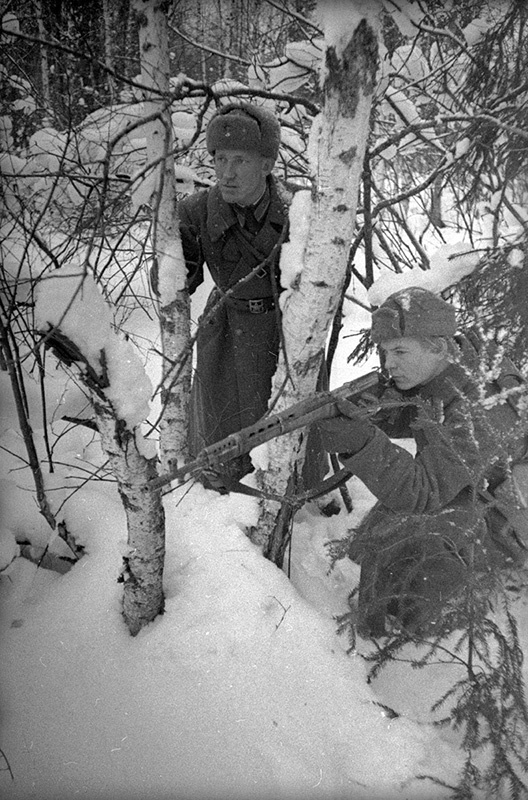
<point x="207" y="49"/>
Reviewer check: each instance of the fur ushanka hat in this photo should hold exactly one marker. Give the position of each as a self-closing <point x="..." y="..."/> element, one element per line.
<point x="244" y="127"/>
<point x="413" y="312"/>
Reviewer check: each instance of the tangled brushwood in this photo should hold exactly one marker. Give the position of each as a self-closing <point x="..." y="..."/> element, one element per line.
<point x="476" y="630"/>
<point x="494" y="297"/>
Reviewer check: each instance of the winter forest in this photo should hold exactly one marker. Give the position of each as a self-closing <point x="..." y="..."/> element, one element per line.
<point x="161" y="639"/>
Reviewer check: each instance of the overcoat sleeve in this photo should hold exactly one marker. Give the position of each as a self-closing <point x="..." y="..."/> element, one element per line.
<point x="450" y="458"/>
<point x="191" y="242"/>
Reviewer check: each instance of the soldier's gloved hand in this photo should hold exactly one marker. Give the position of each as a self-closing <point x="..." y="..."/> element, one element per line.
<point x="212" y="479"/>
<point x="348" y="433"/>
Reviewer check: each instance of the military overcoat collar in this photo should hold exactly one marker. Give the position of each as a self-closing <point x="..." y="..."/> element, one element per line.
<point x="221" y="217"/>
<point x="453" y="382"/>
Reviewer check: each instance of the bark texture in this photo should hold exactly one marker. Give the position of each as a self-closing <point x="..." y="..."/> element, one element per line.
<point x="174" y="306"/>
<point x="337" y="143"/>
<point x="142" y="574"/>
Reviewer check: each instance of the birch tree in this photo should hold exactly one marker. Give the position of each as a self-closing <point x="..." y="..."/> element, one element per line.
<point x="159" y="187"/>
<point x="44" y="56"/>
<point x="77" y="324"/>
<point x="336" y="151"/>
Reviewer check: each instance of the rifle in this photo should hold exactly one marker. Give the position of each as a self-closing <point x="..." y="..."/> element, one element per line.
<point x="322" y="405"/>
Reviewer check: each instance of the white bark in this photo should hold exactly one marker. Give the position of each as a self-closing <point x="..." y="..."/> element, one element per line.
<point x="167" y="249"/>
<point x="338" y="143"/>
<point x="142" y="575"/>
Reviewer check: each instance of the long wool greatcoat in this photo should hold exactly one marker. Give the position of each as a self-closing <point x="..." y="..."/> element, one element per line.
<point x="435" y="521"/>
<point x="237" y="350"/>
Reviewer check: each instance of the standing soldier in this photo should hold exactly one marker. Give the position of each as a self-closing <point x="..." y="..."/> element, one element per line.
<point x="233" y="227"/>
<point x="236" y="228"/>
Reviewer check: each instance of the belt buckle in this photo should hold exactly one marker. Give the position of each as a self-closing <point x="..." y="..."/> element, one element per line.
<point x="256" y="306"/>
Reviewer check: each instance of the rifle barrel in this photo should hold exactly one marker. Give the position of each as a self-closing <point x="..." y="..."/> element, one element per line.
<point x="305" y="412"/>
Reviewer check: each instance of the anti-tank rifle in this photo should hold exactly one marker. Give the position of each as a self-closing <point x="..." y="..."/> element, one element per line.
<point x="322" y="405"/>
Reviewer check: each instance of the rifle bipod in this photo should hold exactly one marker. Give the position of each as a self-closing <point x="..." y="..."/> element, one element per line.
<point x="296" y="501"/>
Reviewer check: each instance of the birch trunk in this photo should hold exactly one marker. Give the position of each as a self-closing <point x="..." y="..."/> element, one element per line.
<point x="337" y="146"/>
<point x="44" y="60"/>
<point x="142" y="574"/>
<point x="174" y="307"/>
<point x="108" y="50"/>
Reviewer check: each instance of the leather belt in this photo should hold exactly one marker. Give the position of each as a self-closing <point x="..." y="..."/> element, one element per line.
<point x="258" y="305"/>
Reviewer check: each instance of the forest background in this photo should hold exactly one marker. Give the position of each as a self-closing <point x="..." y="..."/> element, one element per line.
<point x="104" y="108"/>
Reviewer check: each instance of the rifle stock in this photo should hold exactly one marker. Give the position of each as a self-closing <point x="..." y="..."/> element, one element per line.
<point x="319" y="406"/>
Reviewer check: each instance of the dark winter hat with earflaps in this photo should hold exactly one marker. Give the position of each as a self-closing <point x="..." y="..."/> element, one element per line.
<point x="244" y="127"/>
<point x="413" y="312"/>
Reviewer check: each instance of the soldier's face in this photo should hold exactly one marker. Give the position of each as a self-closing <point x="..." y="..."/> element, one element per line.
<point x="241" y="175"/>
<point x="411" y="362"/>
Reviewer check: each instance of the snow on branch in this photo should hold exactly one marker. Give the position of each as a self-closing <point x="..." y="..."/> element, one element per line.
<point x="70" y="302"/>
<point x="449" y="264"/>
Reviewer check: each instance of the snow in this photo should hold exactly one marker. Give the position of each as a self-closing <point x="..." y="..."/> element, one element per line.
<point x="516" y="258"/>
<point x="407" y="16"/>
<point x="448" y="265"/>
<point x="475" y="31"/>
<point x="130" y="388"/>
<point x="71" y="301"/>
<point x="241" y="689"/>
<point x="339" y="20"/>
<point x="293" y="251"/>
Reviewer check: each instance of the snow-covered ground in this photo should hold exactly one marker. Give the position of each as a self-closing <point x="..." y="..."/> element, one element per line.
<point x="242" y="689"/>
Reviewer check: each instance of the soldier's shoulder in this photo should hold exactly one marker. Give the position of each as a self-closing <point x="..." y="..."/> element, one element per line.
<point x="194" y="204"/>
